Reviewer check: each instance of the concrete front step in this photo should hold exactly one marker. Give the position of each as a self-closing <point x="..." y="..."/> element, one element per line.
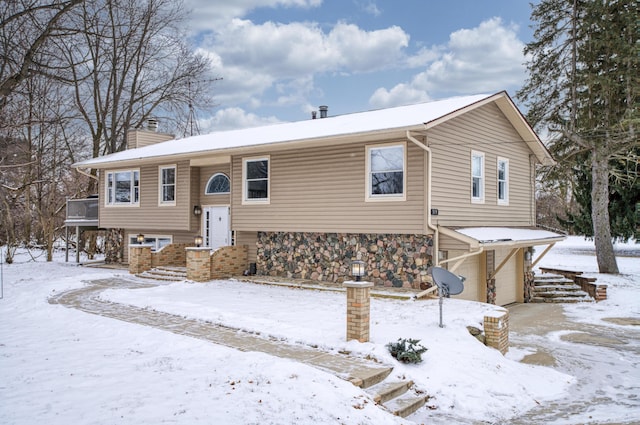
<point x="397" y="397"/>
<point x="559" y="299"/>
<point x="558" y="288"/>
<point x="167" y="274"/>
<point x="406" y="404"/>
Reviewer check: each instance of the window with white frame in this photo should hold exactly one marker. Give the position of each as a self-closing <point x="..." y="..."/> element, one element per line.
<point x="503" y="181"/>
<point x="477" y="177"/>
<point x="123" y="187"/>
<point x="167" y="185"/>
<point x="386" y="172"/>
<point x="218" y="184"/>
<point x="255" y="180"/>
<point x="156" y="241"/>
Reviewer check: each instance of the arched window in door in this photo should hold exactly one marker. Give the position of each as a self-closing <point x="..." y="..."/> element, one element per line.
<point x="218" y="184"/>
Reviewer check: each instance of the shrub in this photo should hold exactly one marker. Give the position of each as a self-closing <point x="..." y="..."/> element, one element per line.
<point x="407" y="350"/>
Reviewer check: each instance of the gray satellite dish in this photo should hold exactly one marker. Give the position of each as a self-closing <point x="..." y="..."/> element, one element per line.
<point x="447" y="283"/>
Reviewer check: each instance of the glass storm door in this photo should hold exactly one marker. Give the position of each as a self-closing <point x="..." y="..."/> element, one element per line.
<point x="216" y="230"/>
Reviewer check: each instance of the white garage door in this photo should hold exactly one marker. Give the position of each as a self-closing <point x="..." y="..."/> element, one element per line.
<point x="469" y="269"/>
<point x="506" y="279"/>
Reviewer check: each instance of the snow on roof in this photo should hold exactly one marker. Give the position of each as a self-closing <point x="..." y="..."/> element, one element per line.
<point x="361" y="122"/>
<point x="505" y="234"/>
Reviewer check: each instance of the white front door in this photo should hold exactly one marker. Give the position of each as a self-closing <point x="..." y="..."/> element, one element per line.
<point x="215" y="226"/>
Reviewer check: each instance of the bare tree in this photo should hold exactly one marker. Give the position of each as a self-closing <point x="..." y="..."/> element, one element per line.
<point x="26" y="27"/>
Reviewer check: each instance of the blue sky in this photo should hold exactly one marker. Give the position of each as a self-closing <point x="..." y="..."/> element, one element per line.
<point x="281" y="59"/>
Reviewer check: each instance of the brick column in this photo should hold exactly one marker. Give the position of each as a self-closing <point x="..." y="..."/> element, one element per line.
<point x="198" y="264"/>
<point x="139" y="258"/>
<point x="358" y="309"/>
<point x="496" y="331"/>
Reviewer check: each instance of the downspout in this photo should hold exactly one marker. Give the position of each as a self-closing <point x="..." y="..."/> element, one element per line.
<point x="436" y="234"/>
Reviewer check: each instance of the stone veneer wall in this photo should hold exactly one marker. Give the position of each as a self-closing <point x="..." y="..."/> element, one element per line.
<point x="392" y="259"/>
<point x="114" y="246"/>
<point x="229" y="261"/>
<point x="173" y="255"/>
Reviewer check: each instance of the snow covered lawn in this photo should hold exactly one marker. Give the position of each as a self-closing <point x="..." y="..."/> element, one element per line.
<point x="63" y="366"/>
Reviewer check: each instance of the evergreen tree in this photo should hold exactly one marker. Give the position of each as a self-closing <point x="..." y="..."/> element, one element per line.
<point x="583" y="86"/>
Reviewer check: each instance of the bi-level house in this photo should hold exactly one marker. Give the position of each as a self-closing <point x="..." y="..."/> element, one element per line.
<point x="448" y="183"/>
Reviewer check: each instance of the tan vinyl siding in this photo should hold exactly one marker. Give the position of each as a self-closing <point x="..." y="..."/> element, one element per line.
<point x="484" y="130"/>
<point x="323" y="190"/>
<point x="470" y="270"/>
<point x="149" y="215"/>
<point x="249" y="239"/>
<point x="141" y="138"/>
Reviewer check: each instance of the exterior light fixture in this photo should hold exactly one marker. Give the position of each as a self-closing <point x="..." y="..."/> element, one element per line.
<point x="527" y="255"/>
<point x="197" y="210"/>
<point x="198" y="241"/>
<point x="357" y="269"/>
<point x="140" y="238"/>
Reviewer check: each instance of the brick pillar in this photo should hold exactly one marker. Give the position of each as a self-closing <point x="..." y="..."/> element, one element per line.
<point x="139" y="258"/>
<point x="198" y="264"/>
<point x="496" y="331"/>
<point x="358" y="308"/>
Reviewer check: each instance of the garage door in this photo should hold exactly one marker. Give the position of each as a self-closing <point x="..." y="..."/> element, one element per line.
<point x="469" y="269"/>
<point x="506" y="279"/>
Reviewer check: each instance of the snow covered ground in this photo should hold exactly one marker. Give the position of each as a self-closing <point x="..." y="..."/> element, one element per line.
<point x="63" y="366"/>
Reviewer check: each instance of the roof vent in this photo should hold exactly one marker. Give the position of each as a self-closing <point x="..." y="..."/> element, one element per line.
<point x="314" y="115"/>
<point x="323" y="111"/>
<point x="152" y="124"/>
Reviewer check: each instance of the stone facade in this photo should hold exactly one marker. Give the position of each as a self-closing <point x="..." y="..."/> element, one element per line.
<point x="392" y="260"/>
<point x="173" y="255"/>
<point x="140" y="258"/>
<point x="496" y="331"/>
<point x="229" y="261"/>
<point x="358" y="310"/>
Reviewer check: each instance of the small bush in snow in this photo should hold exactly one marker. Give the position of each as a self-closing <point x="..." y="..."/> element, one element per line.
<point x="407" y="350"/>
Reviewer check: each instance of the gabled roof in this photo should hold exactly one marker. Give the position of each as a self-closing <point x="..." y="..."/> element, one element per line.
<point x="417" y="117"/>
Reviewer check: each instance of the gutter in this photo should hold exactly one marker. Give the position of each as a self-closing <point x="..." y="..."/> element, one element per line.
<point x="430" y="225"/>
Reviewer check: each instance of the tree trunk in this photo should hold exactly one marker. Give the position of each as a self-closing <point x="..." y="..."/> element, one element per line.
<point x="600" y="212"/>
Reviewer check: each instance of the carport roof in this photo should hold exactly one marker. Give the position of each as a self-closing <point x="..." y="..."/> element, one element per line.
<point x="493" y="237"/>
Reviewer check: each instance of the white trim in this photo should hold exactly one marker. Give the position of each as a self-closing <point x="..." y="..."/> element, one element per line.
<point x="161" y="202"/>
<point x="504" y="201"/>
<point x="369" y="197"/>
<point x="206" y="186"/>
<point x="482" y="177"/>
<point x="106" y="189"/>
<point x="245" y="199"/>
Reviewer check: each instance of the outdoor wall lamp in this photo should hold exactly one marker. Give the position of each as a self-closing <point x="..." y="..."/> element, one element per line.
<point x="357" y="269"/>
<point x="527" y="255"/>
<point x="140" y="238"/>
<point x="197" y="210"/>
<point x="198" y="241"/>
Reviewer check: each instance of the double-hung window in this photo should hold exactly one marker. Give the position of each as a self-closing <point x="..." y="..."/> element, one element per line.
<point x="503" y="181"/>
<point x="255" y="180"/>
<point x="386" y="172"/>
<point x="167" y="187"/>
<point x="477" y="177"/>
<point x="123" y="187"/>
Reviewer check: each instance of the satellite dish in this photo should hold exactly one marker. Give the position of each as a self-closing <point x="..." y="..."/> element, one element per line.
<point x="447" y="283"/>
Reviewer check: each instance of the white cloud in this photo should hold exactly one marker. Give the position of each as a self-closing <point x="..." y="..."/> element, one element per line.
<point x="483" y="59"/>
<point x="207" y="15"/>
<point x="253" y="58"/>
<point x="233" y="118"/>
<point x="401" y="94"/>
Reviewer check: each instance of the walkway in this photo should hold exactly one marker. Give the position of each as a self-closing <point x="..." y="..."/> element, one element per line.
<point x="360" y="372"/>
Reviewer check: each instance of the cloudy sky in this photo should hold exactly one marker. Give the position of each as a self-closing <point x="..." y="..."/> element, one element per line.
<point x="281" y="59"/>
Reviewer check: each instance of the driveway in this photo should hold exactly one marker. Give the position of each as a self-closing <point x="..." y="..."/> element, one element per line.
<point x="604" y="359"/>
